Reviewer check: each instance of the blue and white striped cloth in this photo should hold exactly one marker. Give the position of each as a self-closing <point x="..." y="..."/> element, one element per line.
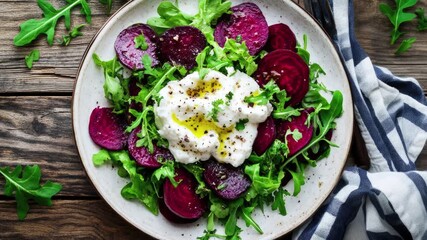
<point x="390" y="200"/>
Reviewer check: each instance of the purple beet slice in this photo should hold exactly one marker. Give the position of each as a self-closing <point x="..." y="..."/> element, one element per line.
<point x="280" y="36"/>
<point x="288" y="70"/>
<point x="128" y="54"/>
<point x="225" y="180"/>
<point x="169" y="215"/>
<point x="181" y="45"/>
<point x="183" y="200"/>
<point x="142" y="155"/>
<point x="246" y="22"/>
<point x="107" y="129"/>
<point x="297" y="123"/>
<point x="265" y="137"/>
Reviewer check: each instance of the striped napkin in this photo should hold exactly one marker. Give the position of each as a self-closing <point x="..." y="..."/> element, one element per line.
<point x="390" y="200"/>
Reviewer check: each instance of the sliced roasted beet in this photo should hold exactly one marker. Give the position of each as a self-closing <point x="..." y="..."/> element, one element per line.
<point x="280" y="36"/>
<point x="246" y="22"/>
<point x="225" y="180"/>
<point x="288" y="70"/>
<point x="169" y="215"/>
<point x="128" y="54"/>
<point x="107" y="129"/>
<point x="142" y="156"/>
<point x="297" y="123"/>
<point x="181" y="45"/>
<point x="183" y="200"/>
<point x="265" y="137"/>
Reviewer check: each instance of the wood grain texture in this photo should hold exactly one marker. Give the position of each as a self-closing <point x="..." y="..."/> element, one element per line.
<point x="66" y="219"/>
<point x="37" y="130"/>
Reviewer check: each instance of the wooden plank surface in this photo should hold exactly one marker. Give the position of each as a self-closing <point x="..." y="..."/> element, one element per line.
<point x="35" y="118"/>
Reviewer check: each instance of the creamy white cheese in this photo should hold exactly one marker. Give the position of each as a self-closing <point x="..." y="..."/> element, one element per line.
<point x="186" y="117"/>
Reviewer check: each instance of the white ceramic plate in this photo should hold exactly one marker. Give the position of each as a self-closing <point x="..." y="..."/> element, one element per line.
<point x="321" y="180"/>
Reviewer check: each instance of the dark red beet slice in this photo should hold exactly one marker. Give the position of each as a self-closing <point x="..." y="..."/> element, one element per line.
<point x="169" y="215"/>
<point x="225" y="180"/>
<point x="265" y="137"/>
<point x="107" y="129"/>
<point x="289" y="71"/>
<point x="141" y="154"/>
<point x="297" y="123"/>
<point x="181" y="45"/>
<point x="246" y="21"/>
<point x="130" y="56"/>
<point x="280" y="36"/>
<point x="183" y="200"/>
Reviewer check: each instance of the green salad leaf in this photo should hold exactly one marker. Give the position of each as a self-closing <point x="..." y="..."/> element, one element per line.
<point x="169" y="16"/>
<point x="75" y="32"/>
<point x="115" y="86"/>
<point x="422" y="19"/>
<point x="405" y="45"/>
<point x="24" y="183"/>
<point x="32" y="28"/>
<point x="32" y="57"/>
<point x="140" y="42"/>
<point x="397" y="16"/>
<point x="108" y="4"/>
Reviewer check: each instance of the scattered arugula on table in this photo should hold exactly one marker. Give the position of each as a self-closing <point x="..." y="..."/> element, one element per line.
<point x="24" y="183"/>
<point x="33" y="56"/>
<point x="400" y="15"/>
<point x="405" y="45"/>
<point x="422" y="19"/>
<point x="108" y="4"/>
<point x="75" y="32"/>
<point x="31" y="29"/>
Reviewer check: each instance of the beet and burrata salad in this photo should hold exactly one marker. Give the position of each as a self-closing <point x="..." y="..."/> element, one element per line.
<point x="212" y="114"/>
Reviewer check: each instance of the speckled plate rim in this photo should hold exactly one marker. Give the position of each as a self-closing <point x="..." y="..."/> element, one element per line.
<point x="298" y="221"/>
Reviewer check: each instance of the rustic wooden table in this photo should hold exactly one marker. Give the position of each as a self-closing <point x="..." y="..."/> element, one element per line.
<point x="36" y="128"/>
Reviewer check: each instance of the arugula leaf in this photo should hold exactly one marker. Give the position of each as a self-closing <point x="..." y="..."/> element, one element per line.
<point x="75" y="32"/>
<point x="231" y="224"/>
<point x="170" y="16"/>
<point x="279" y="201"/>
<point x="264" y="185"/>
<point x="405" y="45"/>
<point x="397" y="16"/>
<point x="202" y="189"/>
<point x="32" y="28"/>
<point x="240" y="125"/>
<point x="115" y="88"/>
<point x="216" y="109"/>
<point x="108" y="4"/>
<point x="138" y="188"/>
<point x="140" y="42"/>
<point x="25" y="184"/>
<point x="157" y="79"/>
<point x="246" y="215"/>
<point x="33" y="56"/>
<point x="422" y="19"/>
<point x="238" y="52"/>
<point x="265" y="96"/>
